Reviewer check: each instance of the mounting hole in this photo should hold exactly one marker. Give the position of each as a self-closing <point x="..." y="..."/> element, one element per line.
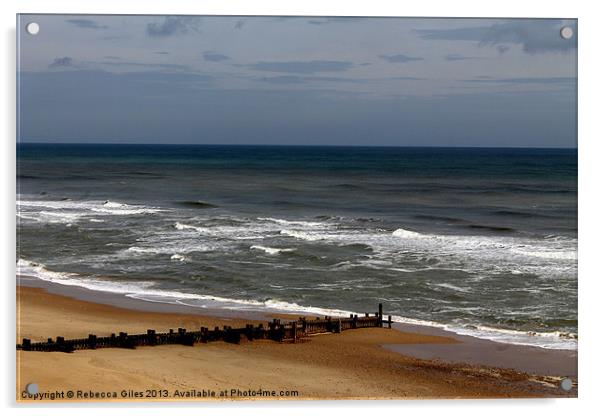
<point x="566" y="384"/>
<point x="566" y="32"/>
<point x="32" y="28"/>
<point x="31" y="388"/>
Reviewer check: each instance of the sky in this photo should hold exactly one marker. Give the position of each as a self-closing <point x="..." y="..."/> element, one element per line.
<point x="297" y="81"/>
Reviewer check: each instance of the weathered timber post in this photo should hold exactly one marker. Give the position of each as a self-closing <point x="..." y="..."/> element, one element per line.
<point x="62" y="346"/>
<point x="380" y="315"/>
<point x="123" y="337"/>
<point x="231" y="336"/>
<point x="92" y="341"/>
<point x="354" y="323"/>
<point x="26" y="345"/>
<point x="112" y="342"/>
<point x="185" y="338"/>
<point x="151" y="337"/>
<point x="249" y="332"/>
<point x="294" y="326"/>
<point x="389" y="321"/>
<point x="339" y="327"/>
<point x="216" y="334"/>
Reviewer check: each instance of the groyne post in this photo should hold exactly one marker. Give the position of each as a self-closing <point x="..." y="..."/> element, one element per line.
<point x="26" y="345"/>
<point x="92" y="341"/>
<point x="151" y="337"/>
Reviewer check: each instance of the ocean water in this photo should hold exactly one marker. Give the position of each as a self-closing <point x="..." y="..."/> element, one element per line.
<point x="479" y="241"/>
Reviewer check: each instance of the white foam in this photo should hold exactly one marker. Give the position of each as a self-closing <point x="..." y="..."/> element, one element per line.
<point x="182" y="227"/>
<point x="247" y="231"/>
<point x="302" y="235"/>
<point x="29" y="268"/>
<point x="168" y="248"/>
<point x="400" y="232"/>
<point x="110" y="204"/>
<point x="179" y="257"/>
<point x="308" y="224"/>
<point x="69" y="211"/>
<point x="272" y="251"/>
<point x="452" y="287"/>
<point x="547" y="254"/>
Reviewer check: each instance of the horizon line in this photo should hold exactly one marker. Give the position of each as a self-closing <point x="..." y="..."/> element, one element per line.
<point x="297" y="145"/>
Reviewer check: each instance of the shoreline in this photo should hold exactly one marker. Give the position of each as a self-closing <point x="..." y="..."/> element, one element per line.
<point x="163" y="303"/>
<point x="466" y="349"/>
<point x="350" y="365"/>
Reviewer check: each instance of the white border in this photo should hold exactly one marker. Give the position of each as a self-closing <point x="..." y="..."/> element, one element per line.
<point x="589" y="185"/>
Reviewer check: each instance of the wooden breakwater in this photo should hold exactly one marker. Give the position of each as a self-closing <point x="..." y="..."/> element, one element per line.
<point x="275" y="330"/>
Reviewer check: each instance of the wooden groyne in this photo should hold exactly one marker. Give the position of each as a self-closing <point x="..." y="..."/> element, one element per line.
<point x="275" y="330"/>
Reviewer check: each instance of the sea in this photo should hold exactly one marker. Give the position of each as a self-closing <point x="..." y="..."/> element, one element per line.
<point x="478" y="241"/>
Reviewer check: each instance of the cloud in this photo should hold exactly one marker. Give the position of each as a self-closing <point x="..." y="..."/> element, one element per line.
<point x="173" y="25"/>
<point x="503" y="48"/>
<point x="213" y="56"/>
<point x="140" y="65"/>
<point x="327" y="20"/>
<point x="402" y="78"/>
<point x="284" y="80"/>
<point x="457" y="57"/>
<point x="399" y="59"/>
<point x="533" y="35"/>
<point x="87" y="24"/>
<point x="463" y="33"/>
<point x="167" y="79"/>
<point x="296" y="79"/>
<point x="64" y="62"/>
<point x="302" y="67"/>
<point x="114" y="62"/>
<point x="548" y="80"/>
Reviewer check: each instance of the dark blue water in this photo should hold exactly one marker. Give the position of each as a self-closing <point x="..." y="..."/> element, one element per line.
<point x="479" y="240"/>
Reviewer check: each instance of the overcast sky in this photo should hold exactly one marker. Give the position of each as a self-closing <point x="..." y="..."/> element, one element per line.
<point x="302" y="80"/>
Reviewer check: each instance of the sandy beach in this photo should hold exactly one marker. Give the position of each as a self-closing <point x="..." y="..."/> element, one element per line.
<point x="364" y="363"/>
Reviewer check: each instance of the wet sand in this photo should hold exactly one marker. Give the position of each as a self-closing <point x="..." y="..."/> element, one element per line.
<point x="353" y="364"/>
<point x="473" y="350"/>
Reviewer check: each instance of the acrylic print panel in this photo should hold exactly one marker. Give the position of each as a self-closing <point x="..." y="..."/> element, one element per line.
<point x="199" y="197"/>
